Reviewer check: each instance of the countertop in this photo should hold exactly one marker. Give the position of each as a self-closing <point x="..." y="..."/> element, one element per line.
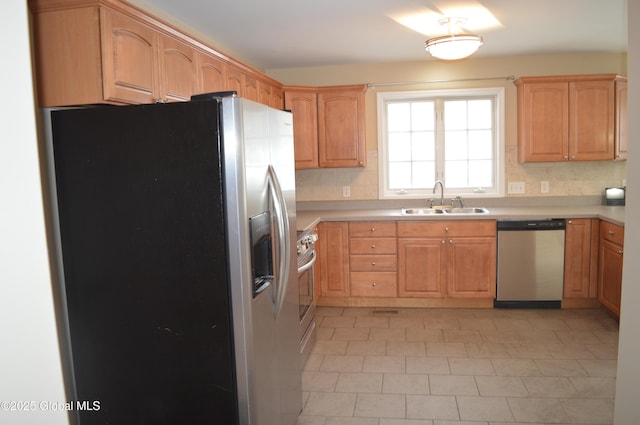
<point x="307" y="219"/>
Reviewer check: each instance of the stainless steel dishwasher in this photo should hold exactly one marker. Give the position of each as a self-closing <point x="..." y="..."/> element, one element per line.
<point x="530" y="263"/>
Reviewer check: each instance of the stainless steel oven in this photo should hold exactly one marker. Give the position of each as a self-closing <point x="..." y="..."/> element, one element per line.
<point x="307" y="290"/>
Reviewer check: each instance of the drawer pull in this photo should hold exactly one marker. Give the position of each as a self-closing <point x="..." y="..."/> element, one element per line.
<point x="611" y="232"/>
<point x="373" y="247"/>
<point x="620" y="252"/>
<point x="373" y="284"/>
<point x="373" y="264"/>
<point x="373" y="229"/>
<point x="442" y="241"/>
<point x="446" y="229"/>
<point x="451" y="241"/>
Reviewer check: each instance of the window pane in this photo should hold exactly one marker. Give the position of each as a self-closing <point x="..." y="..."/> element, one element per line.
<point x="423" y="175"/>
<point x="480" y="144"/>
<point x="398" y="117"/>
<point x="455" y="145"/>
<point x="399" y="175"/>
<point x="480" y="114"/>
<point x="423" y="146"/>
<point x="480" y="173"/>
<point x="455" y="115"/>
<point x="400" y="146"/>
<point x="422" y="116"/>
<point x="456" y="174"/>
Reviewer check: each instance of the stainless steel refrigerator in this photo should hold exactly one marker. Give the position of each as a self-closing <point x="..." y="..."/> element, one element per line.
<point x="177" y="223"/>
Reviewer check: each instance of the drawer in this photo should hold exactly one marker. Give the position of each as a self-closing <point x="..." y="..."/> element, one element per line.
<point x="368" y="284"/>
<point x="374" y="263"/>
<point x="458" y="228"/>
<point x="372" y="229"/>
<point x="373" y="246"/>
<point x="612" y="232"/>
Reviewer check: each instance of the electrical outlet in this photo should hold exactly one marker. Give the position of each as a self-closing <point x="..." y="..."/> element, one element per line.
<point x="346" y="191"/>
<point x="544" y="187"/>
<point x="515" y="187"/>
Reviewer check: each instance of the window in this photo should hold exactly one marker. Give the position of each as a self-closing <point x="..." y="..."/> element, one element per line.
<point x="455" y="136"/>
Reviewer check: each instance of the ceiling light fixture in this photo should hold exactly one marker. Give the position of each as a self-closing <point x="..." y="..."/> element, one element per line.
<point x="454" y="45"/>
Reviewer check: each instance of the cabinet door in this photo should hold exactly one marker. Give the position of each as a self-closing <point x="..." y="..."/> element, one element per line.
<point x="250" y="87"/>
<point x="130" y="62"/>
<point x="210" y="74"/>
<point x="304" y="106"/>
<point x="277" y="97"/>
<point x="341" y="120"/>
<point x="264" y="93"/>
<point x="333" y="259"/>
<point x="621" y="120"/>
<point x="580" y="258"/>
<point x="420" y="265"/>
<point x="177" y="70"/>
<point x="543" y="123"/>
<point x="471" y="267"/>
<point x="592" y="119"/>
<point x="610" y="276"/>
<point x="235" y="80"/>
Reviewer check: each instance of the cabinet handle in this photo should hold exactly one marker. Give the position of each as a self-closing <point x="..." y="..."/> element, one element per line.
<point x="373" y="264"/>
<point x="611" y="232"/>
<point x="446" y="229"/>
<point x="442" y="242"/>
<point x="566" y="157"/>
<point x="373" y="247"/>
<point x="573" y="157"/>
<point x="620" y="252"/>
<point x="451" y="241"/>
<point x="373" y="284"/>
<point x="373" y="229"/>
<point x="570" y="222"/>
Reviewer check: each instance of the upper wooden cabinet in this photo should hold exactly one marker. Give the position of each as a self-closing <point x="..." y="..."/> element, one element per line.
<point x="109" y="51"/>
<point x="329" y="125"/>
<point x="303" y="103"/>
<point x="569" y="118"/>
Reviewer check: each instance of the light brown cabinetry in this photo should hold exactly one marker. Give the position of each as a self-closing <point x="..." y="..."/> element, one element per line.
<point x="109" y="51"/>
<point x="443" y="259"/>
<point x="329" y="125"/>
<point x="211" y="73"/>
<point x="621" y="119"/>
<point x="581" y="258"/>
<point x="373" y="259"/>
<point x="333" y="259"/>
<point x="567" y="118"/>
<point x="610" y="266"/>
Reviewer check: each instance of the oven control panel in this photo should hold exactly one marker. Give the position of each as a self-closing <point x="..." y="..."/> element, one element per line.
<point x="306" y="241"/>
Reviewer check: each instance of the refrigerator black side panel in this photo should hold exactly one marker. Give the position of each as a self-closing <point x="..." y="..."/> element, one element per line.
<point x="144" y="251"/>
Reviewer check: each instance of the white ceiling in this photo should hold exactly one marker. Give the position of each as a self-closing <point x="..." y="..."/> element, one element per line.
<point x="273" y="34"/>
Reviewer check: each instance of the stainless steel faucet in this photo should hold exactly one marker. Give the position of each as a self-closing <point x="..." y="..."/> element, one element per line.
<point x="438" y="182"/>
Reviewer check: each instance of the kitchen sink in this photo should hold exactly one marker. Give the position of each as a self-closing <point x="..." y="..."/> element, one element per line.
<point x="422" y="211"/>
<point x="469" y="210"/>
<point x="431" y="211"/>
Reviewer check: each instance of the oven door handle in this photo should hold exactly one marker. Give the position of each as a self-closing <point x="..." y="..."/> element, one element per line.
<point x="308" y="264"/>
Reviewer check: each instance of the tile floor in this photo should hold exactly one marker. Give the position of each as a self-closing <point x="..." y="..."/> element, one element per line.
<point x="460" y="367"/>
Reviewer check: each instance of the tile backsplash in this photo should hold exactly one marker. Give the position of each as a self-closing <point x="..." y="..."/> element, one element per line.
<point x="587" y="178"/>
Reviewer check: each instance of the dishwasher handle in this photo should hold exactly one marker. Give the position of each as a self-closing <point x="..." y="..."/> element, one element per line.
<point x="523" y="225"/>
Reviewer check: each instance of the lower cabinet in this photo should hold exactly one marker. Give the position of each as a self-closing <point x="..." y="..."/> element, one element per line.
<point x="333" y="259"/>
<point x="447" y="259"/>
<point x="373" y="259"/>
<point x="610" y="266"/>
<point x="581" y="259"/>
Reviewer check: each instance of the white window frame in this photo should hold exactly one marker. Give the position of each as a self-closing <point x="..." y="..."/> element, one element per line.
<point x="499" y="149"/>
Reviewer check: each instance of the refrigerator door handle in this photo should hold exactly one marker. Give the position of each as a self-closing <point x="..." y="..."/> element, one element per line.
<point x="284" y="244"/>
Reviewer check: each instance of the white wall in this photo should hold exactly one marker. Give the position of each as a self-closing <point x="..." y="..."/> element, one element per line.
<point x="29" y="358"/>
<point x="627" y="409"/>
